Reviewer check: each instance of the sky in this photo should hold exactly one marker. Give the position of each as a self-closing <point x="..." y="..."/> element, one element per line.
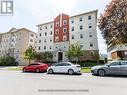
<point x="29" y="13"/>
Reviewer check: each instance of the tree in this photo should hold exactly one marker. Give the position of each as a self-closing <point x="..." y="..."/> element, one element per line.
<point x="47" y="56"/>
<point x="30" y="54"/>
<point x="113" y="23"/>
<point x="74" y="52"/>
<point x="44" y="56"/>
<point x="39" y="56"/>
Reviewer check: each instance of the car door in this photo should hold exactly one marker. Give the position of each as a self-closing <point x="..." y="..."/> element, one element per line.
<point x="30" y="67"/>
<point x="123" y="68"/>
<point x="58" y="68"/>
<point x="114" y="68"/>
<point x="65" y="67"/>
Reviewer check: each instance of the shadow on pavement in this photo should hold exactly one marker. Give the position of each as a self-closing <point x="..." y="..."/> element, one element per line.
<point x="113" y="76"/>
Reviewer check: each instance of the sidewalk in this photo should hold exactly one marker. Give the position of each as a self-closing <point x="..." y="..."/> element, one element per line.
<point x="9" y="67"/>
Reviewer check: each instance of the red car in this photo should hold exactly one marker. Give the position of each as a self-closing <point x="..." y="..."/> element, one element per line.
<point x="36" y="67"/>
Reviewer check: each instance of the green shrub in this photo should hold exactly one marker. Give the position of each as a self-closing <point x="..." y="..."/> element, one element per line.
<point x="89" y="63"/>
<point x="7" y="61"/>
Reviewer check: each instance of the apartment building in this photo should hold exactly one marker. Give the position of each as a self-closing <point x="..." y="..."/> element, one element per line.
<point x="15" y="42"/>
<point x="57" y="36"/>
<point x="117" y="52"/>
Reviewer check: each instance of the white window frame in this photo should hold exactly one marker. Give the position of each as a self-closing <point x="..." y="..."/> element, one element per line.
<point x="65" y="22"/>
<point x="64" y="29"/>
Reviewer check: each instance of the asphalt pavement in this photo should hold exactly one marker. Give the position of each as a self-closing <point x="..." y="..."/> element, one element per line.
<point x="19" y="83"/>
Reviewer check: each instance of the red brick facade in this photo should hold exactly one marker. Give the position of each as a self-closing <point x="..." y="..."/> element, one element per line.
<point x="61" y="22"/>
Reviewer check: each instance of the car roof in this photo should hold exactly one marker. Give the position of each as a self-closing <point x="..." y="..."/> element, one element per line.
<point x="38" y="63"/>
<point x="118" y="61"/>
<point x="63" y="62"/>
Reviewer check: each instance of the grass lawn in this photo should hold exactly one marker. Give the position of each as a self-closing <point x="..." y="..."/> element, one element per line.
<point x="15" y="68"/>
<point x="86" y="69"/>
<point x="83" y="69"/>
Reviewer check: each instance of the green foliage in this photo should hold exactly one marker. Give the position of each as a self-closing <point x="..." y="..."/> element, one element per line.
<point x="30" y="54"/>
<point x="113" y="23"/>
<point x="74" y="52"/>
<point x="44" y="56"/>
<point x="89" y="63"/>
<point x="7" y="61"/>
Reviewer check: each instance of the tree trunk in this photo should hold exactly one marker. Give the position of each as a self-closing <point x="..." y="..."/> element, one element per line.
<point x="29" y="61"/>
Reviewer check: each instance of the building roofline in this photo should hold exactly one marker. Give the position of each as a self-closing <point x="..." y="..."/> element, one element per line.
<point x="84" y="13"/>
<point x="45" y="23"/>
<point x="70" y="17"/>
<point x="16" y="31"/>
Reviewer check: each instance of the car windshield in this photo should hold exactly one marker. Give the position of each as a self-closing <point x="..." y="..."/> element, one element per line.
<point x="54" y="64"/>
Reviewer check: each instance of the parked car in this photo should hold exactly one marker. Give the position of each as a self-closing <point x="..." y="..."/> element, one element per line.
<point x="36" y="67"/>
<point x="112" y="68"/>
<point x="64" y="67"/>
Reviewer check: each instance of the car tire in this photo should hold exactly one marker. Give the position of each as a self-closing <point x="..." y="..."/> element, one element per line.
<point x="50" y="71"/>
<point x="24" y="70"/>
<point x="101" y="72"/>
<point x="37" y="70"/>
<point x="70" y="72"/>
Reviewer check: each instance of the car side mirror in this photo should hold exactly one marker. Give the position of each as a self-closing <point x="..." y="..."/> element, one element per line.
<point x="108" y="65"/>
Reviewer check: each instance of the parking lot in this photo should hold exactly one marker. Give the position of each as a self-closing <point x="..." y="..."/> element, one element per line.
<point x="18" y="83"/>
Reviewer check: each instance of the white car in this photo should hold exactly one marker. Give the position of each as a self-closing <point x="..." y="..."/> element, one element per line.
<point x="64" y="67"/>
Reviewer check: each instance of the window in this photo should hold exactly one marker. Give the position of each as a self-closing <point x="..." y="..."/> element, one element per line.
<point x="72" y="36"/>
<point x="31" y="40"/>
<point x="90" y="26"/>
<point x="39" y="41"/>
<point x="45" y="33"/>
<point x="17" y="56"/>
<point x="56" y="39"/>
<point x="32" y="35"/>
<point x="50" y="32"/>
<point x="50" y="47"/>
<point x="57" y="24"/>
<point x="91" y="44"/>
<point x="39" y="48"/>
<point x="45" y="27"/>
<point x="124" y="63"/>
<point x="64" y="30"/>
<point x="72" y="28"/>
<point x="45" y="40"/>
<point x="80" y="19"/>
<point x="12" y="40"/>
<point x="114" y="64"/>
<point x="81" y="27"/>
<point x="40" y="34"/>
<point x="90" y="35"/>
<point x="64" y="38"/>
<point x="92" y="53"/>
<point x="64" y="22"/>
<point x="81" y="35"/>
<point x="81" y="46"/>
<point x="40" y="28"/>
<point x="64" y="46"/>
<point x="66" y="64"/>
<point x="44" y="47"/>
<point x="51" y="26"/>
<point x="72" y="20"/>
<point x="59" y="64"/>
<point x="50" y="39"/>
<point x="89" y="17"/>
<point x="57" y="31"/>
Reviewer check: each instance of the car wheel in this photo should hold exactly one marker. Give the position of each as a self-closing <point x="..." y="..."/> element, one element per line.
<point x="101" y="72"/>
<point x="50" y="71"/>
<point x="70" y="72"/>
<point x="24" y="70"/>
<point x="37" y="70"/>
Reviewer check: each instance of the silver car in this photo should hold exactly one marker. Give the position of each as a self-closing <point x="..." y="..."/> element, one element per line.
<point x="112" y="68"/>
